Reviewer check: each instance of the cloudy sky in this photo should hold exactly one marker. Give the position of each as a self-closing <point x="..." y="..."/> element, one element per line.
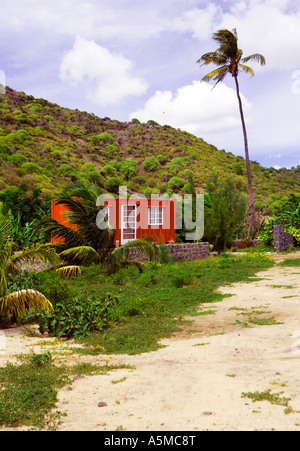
<point x="137" y="58"/>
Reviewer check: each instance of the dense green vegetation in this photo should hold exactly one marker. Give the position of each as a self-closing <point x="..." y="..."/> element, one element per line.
<point x="44" y="146"/>
<point x="131" y="311"/>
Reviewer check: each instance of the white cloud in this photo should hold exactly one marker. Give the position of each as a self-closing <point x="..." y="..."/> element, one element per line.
<point x="2" y="82"/>
<point x="196" y="108"/>
<point x="93" y="19"/>
<point x="267" y="27"/>
<point x="199" y="22"/>
<point x="106" y="77"/>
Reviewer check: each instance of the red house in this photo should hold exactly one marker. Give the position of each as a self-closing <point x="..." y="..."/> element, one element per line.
<point x="131" y="219"/>
<point x="134" y="218"/>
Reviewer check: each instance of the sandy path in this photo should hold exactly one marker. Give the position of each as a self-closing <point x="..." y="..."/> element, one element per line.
<point x="196" y="382"/>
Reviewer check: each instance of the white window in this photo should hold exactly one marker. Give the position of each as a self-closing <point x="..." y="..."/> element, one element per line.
<point x="155" y="216"/>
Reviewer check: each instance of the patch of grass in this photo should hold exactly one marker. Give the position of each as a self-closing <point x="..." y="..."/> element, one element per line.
<point x="200" y="344"/>
<point x="118" y="381"/>
<point x="288" y="287"/>
<point x="264" y="321"/>
<point x="121" y="429"/>
<point x="204" y="313"/>
<point x="254" y="312"/>
<point x="273" y="398"/>
<point x="28" y="391"/>
<point x="281" y="384"/>
<point x="290" y="262"/>
<point x="242" y="323"/>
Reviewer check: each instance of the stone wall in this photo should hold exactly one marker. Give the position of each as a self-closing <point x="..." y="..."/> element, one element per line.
<point x="282" y="240"/>
<point x="188" y="251"/>
<point x="178" y="252"/>
<point x="243" y="244"/>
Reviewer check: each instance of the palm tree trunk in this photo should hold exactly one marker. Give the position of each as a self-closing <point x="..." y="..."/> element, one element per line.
<point x="250" y="187"/>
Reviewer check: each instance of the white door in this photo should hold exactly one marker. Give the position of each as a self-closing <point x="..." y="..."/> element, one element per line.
<point x="128" y="223"/>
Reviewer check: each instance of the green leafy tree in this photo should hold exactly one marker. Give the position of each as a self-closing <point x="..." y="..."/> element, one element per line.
<point x="176" y="183"/>
<point x="25" y="208"/>
<point x="225" y="212"/>
<point x="113" y="184"/>
<point x="151" y="164"/>
<point x="229" y="59"/>
<point x="127" y="169"/>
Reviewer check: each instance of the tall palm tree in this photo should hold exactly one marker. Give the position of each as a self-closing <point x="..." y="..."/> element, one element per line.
<point x="230" y="60"/>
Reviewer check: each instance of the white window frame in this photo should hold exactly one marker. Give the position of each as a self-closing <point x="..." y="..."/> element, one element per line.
<point x="156" y="220"/>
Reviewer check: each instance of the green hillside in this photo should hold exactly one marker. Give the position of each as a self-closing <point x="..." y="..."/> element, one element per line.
<point x="46" y="146"/>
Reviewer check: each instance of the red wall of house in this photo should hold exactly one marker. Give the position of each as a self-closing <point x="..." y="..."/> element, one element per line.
<point x="60" y="214"/>
<point x="161" y="233"/>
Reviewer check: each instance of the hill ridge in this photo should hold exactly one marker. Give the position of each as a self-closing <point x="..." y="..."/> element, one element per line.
<point x="45" y="145"/>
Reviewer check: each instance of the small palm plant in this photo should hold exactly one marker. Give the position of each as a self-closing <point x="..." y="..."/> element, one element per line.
<point x="85" y="242"/>
<point x="124" y="256"/>
<point x="16" y="303"/>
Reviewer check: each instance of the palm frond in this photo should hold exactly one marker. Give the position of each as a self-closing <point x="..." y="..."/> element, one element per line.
<point x="67" y="272"/>
<point x="116" y="266"/>
<point x="83" y="214"/>
<point x="213" y="58"/>
<point x="17" y="303"/>
<point x="5" y="229"/>
<point x="69" y="236"/>
<point x="43" y="252"/>
<point x="5" y="239"/>
<point x="255" y="57"/>
<point x="5" y="251"/>
<point x="144" y="246"/>
<point x="80" y="190"/>
<point x="247" y="69"/>
<point x="84" y="254"/>
<point x="217" y="74"/>
<point x="228" y="41"/>
<point x="3" y="282"/>
<point x="228" y="55"/>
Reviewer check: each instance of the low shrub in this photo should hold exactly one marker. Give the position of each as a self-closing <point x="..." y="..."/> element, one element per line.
<point x="79" y="317"/>
<point x="181" y="279"/>
<point x="148" y="279"/>
<point x="163" y="254"/>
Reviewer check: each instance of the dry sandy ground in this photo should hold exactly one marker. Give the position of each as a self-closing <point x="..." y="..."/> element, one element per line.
<point x="196" y="382"/>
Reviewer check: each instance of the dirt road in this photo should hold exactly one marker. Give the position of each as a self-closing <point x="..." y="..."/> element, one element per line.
<point x="251" y="343"/>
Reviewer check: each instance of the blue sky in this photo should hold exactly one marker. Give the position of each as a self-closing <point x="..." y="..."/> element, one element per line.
<point x="137" y="58"/>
